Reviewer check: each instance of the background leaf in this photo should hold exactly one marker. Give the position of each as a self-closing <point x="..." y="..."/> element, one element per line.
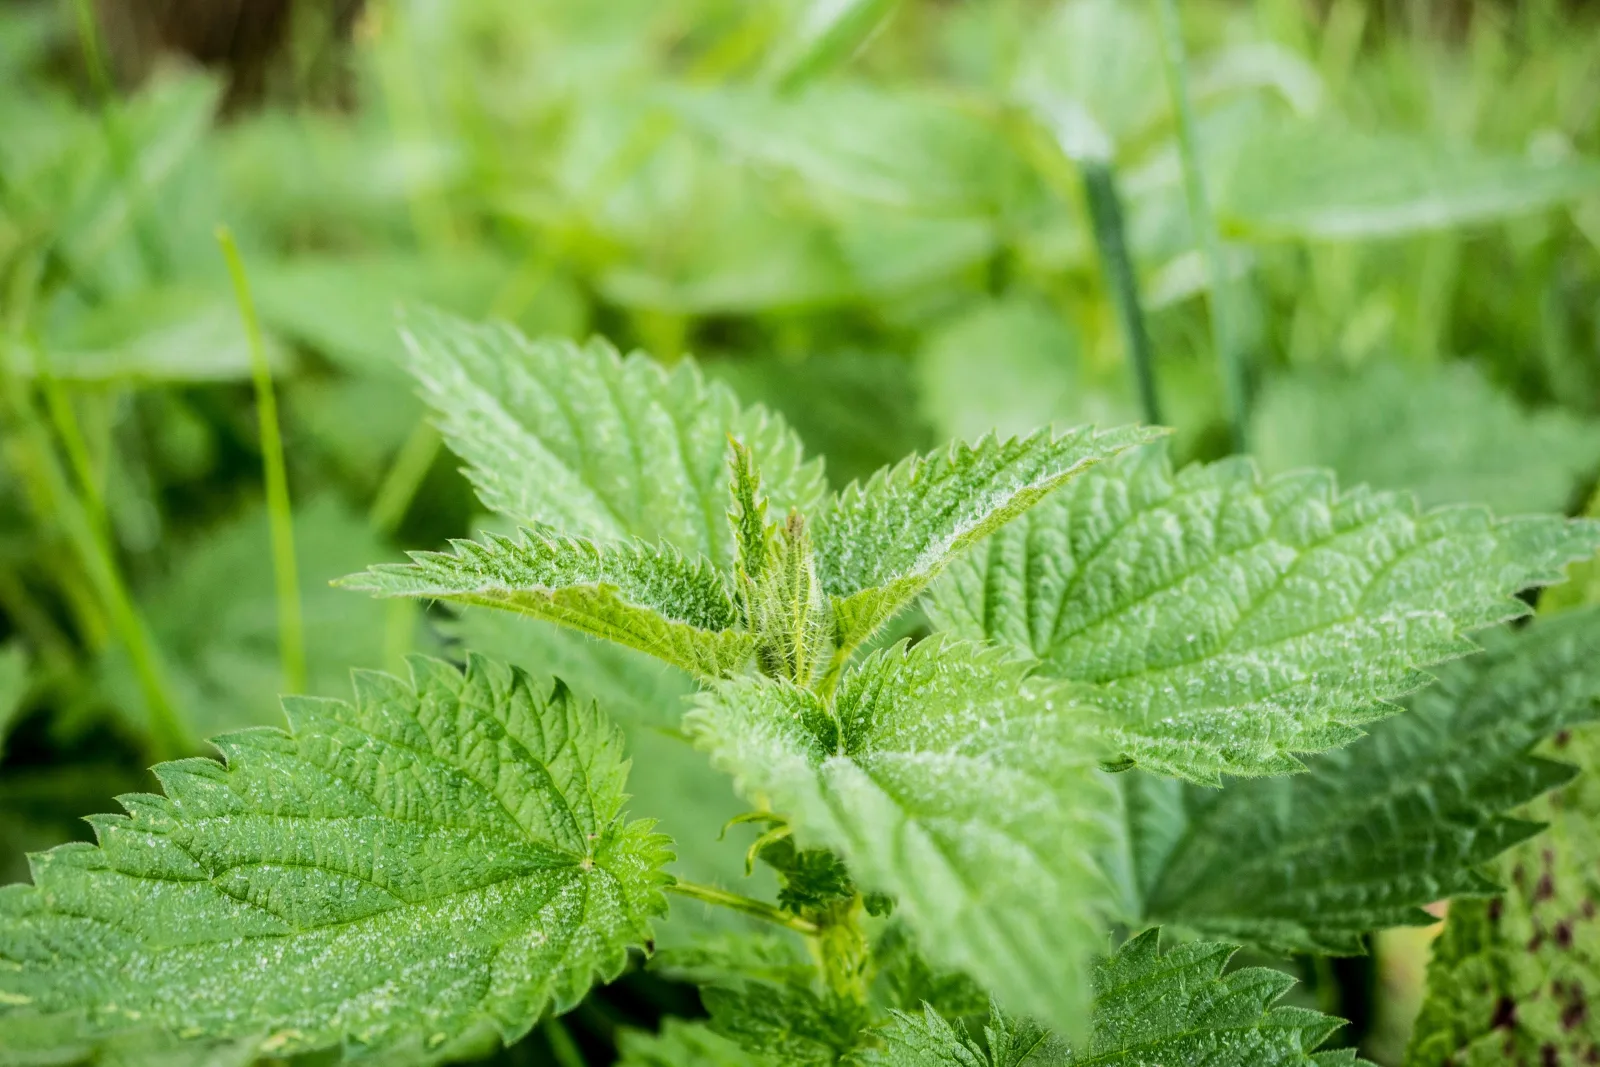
<point x="222" y="650"/>
<point x="1373" y="832"/>
<point x="1313" y="182"/>
<point x="1448" y="435"/>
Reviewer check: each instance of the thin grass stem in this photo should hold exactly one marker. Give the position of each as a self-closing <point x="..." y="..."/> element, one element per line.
<point x="1224" y="333"/>
<point x="55" y="501"/>
<point x="280" y="513"/>
<point x="1110" y="237"/>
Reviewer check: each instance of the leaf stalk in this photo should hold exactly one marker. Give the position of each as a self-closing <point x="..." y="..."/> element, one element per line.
<point x="748" y="905"/>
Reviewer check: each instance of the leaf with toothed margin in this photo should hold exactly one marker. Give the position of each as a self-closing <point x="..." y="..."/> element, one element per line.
<point x="1373" y="832"/>
<point x="1150" y="1010"/>
<point x="646" y="597"/>
<point x="1514" y="981"/>
<point x="929" y="1040"/>
<point x="56" y="1040"/>
<point x="947" y="779"/>
<point x="1228" y="623"/>
<point x="447" y="857"/>
<point x="685" y="1044"/>
<point x="880" y="544"/>
<point x="592" y="444"/>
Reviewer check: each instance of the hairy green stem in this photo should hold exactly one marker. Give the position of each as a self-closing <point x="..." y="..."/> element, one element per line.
<point x="291" y="631"/>
<point x="1110" y="238"/>
<point x="748" y="905"/>
<point x="1224" y="335"/>
<point x="843" y="951"/>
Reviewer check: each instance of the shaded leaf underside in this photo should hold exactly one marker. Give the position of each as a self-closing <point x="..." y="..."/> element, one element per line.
<point x="1372" y="832"/>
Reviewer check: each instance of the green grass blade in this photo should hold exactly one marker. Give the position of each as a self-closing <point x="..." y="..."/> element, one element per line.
<point x="291" y="630"/>
<point x="1110" y="238"/>
<point x="1224" y="331"/>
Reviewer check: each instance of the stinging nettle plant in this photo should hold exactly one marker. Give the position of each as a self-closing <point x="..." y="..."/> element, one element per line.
<point x="1151" y="697"/>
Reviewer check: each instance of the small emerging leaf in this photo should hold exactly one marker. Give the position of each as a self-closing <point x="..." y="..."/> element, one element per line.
<point x="648" y="598"/>
<point x="439" y="862"/>
<point x="791" y="617"/>
<point x="748" y="517"/>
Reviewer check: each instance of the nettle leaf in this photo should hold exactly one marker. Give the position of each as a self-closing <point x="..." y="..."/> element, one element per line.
<point x="48" y="1046"/>
<point x="1448" y="434"/>
<point x="927" y="1040"/>
<point x="879" y="544"/>
<point x="646" y="597"/>
<point x="684" y="1044"/>
<point x="1402" y="818"/>
<point x="790" y="1023"/>
<point x="591" y="444"/>
<point x="729" y="958"/>
<point x="948" y="780"/>
<point x="1228" y="623"/>
<point x="1150" y="1010"/>
<point x="906" y="981"/>
<point x="1514" y="980"/>
<point x="448" y="857"/>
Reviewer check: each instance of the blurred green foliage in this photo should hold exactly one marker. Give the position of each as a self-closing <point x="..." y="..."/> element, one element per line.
<point x="886" y="240"/>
